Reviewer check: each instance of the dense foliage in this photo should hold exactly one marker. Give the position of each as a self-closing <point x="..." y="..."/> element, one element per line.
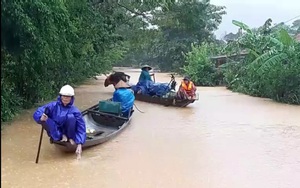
<point x="45" y="44"/>
<point x="200" y="67"/>
<point x="177" y="26"/>
<point x="270" y="69"/>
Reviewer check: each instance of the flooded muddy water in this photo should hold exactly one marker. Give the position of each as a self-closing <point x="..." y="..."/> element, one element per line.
<point x="224" y="140"/>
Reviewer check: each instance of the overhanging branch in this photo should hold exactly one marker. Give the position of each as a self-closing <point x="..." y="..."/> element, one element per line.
<point x="133" y="11"/>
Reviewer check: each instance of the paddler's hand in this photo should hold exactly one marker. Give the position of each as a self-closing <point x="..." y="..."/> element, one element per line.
<point x="78" y="151"/>
<point x="44" y="117"/>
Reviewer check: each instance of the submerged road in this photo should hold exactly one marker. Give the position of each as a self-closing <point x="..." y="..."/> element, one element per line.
<point x="224" y="140"/>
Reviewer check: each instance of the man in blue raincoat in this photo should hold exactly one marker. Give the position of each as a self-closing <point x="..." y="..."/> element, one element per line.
<point x="122" y="94"/>
<point x="146" y="86"/>
<point x="145" y="75"/>
<point x="62" y="120"/>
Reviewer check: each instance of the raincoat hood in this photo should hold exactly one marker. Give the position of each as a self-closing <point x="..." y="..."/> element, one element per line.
<point x="186" y="78"/>
<point x="68" y="105"/>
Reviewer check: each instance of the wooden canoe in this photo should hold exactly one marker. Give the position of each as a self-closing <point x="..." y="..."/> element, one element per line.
<point x="163" y="101"/>
<point x="105" y="126"/>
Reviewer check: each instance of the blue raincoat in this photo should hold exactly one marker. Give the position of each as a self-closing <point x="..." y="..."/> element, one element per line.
<point x="126" y="98"/>
<point x="151" y="88"/>
<point x="63" y="120"/>
<point x="145" y="76"/>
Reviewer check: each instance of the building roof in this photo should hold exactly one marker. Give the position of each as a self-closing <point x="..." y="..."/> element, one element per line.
<point x="298" y="37"/>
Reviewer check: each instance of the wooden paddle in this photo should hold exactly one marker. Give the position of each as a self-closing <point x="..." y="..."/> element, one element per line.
<point x="39" y="149"/>
<point x="153" y="77"/>
<point x="41" y="138"/>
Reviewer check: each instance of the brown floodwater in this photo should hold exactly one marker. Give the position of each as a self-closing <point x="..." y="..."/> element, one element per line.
<point x="224" y="140"/>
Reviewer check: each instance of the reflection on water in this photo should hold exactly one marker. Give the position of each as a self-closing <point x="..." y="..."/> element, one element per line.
<point x="223" y="140"/>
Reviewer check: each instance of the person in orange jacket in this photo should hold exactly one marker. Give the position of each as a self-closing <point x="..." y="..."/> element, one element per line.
<point x="187" y="89"/>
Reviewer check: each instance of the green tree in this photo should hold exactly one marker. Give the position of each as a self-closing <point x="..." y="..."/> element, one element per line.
<point x="296" y="26"/>
<point x="46" y="44"/>
<point x="272" y="67"/>
<point x="178" y="25"/>
<point x="181" y="24"/>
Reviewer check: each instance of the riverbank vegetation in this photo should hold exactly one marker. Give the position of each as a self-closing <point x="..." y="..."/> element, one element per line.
<point x="261" y="62"/>
<point x="46" y="44"/>
<point x="270" y="68"/>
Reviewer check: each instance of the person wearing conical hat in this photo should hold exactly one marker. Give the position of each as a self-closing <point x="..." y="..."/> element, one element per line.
<point x="145" y="75"/>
